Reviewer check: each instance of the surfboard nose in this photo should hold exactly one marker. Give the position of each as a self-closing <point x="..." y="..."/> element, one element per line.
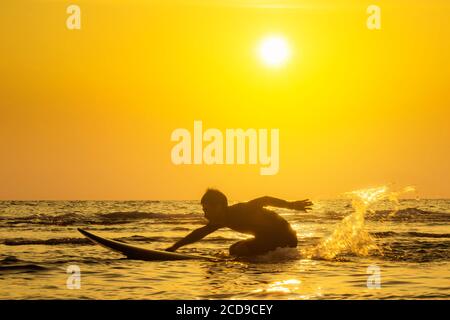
<point x="83" y="232"/>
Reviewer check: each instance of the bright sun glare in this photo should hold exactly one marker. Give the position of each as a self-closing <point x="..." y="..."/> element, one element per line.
<point x="274" y="51"/>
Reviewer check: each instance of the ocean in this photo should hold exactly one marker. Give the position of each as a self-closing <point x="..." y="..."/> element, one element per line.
<point x="347" y="250"/>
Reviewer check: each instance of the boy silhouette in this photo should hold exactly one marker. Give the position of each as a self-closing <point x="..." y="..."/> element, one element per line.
<point x="269" y="229"/>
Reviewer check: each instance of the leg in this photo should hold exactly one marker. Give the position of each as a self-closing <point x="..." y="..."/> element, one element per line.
<point x="250" y="247"/>
<point x="240" y="248"/>
<point x="264" y="243"/>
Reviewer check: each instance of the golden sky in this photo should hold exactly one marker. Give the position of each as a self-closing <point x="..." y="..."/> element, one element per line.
<point x="88" y="114"/>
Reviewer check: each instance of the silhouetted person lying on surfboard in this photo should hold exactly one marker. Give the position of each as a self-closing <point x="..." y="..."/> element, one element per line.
<point x="269" y="229"/>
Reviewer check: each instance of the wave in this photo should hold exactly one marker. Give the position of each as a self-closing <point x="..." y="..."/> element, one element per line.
<point x="385" y="234"/>
<point x="132" y="215"/>
<point x="111" y="218"/>
<point x="410" y="214"/>
<point x="48" y="242"/>
<point x="416" y="251"/>
<point x="23" y="267"/>
<point x="12" y="263"/>
<point x="85" y="241"/>
<point x="404" y="215"/>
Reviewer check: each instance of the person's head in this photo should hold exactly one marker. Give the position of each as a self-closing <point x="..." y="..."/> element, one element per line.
<point x="214" y="204"/>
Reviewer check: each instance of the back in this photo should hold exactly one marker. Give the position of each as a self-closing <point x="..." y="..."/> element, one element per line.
<point x="255" y="220"/>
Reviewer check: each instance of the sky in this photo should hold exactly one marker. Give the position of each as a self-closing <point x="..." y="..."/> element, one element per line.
<point x="88" y="114"/>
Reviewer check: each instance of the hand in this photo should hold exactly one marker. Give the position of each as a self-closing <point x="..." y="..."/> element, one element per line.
<point x="302" y="205"/>
<point x="171" y="249"/>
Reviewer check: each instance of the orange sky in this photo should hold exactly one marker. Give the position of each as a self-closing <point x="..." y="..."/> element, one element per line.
<point x="88" y="114"/>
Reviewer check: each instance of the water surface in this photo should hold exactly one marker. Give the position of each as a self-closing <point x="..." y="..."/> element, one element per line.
<point x="39" y="241"/>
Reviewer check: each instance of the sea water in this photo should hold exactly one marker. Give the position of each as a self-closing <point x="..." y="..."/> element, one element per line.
<point x="340" y="242"/>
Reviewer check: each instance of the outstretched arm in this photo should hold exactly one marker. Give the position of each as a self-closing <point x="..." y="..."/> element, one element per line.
<point x="302" y="205"/>
<point x="194" y="236"/>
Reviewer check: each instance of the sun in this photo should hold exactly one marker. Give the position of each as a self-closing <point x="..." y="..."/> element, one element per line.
<point x="274" y="51"/>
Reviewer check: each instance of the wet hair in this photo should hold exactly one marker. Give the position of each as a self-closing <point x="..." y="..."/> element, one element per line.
<point x="215" y="197"/>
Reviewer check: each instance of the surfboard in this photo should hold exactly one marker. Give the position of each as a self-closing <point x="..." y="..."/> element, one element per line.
<point x="137" y="253"/>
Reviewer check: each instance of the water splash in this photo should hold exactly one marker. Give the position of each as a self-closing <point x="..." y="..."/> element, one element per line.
<point x="350" y="235"/>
